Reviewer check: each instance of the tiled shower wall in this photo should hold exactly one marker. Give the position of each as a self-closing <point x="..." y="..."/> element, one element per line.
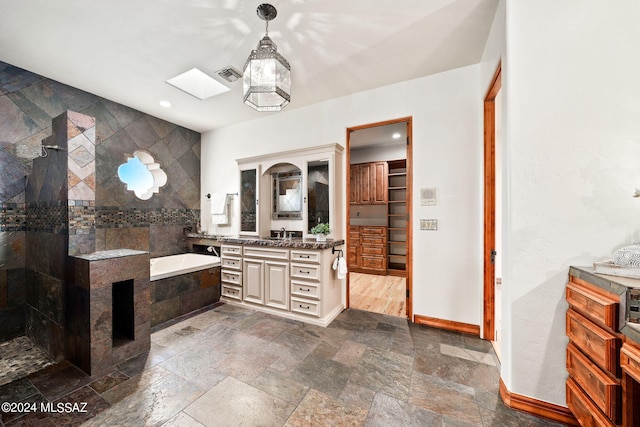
<point x="28" y="103"/>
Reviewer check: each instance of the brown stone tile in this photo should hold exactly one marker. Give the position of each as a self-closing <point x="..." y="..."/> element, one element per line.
<point x="59" y="379"/>
<point x="108" y="381"/>
<point x="445" y="397"/>
<point x="320" y="409"/>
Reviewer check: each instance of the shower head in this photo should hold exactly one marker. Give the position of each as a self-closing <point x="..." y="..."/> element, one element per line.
<point x="50" y="147"/>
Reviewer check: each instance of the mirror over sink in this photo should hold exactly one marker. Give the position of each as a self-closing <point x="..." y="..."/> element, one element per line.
<point x="302" y="188"/>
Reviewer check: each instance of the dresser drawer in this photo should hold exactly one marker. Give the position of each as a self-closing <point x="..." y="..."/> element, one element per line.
<point x="597" y="307"/>
<point x="231" y="292"/>
<point x="372" y="240"/>
<point x="585" y="411"/>
<point x="305" y="289"/>
<point x="230" y="276"/>
<point x="305" y="256"/>
<point x="372" y="263"/>
<point x="231" y="263"/>
<point x="231" y="250"/>
<point x="304" y="306"/>
<point x="601" y="346"/>
<point x="372" y="250"/>
<point x="630" y="361"/>
<point x="603" y="390"/>
<point x="305" y="271"/>
<point x="380" y="231"/>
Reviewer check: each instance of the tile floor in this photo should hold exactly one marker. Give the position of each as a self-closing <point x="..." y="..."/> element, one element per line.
<point x="232" y="366"/>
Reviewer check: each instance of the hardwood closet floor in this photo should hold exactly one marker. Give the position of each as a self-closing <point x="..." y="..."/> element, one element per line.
<point x="379" y="294"/>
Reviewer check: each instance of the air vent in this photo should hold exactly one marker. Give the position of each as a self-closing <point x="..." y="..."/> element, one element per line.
<point x="230" y="74"/>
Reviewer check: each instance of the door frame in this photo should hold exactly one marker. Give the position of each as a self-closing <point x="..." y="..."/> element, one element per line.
<point x="490" y="204"/>
<point x="409" y="157"/>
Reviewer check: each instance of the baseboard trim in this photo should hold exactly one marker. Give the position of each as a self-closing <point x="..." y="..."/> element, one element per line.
<point x="537" y="407"/>
<point x="449" y="325"/>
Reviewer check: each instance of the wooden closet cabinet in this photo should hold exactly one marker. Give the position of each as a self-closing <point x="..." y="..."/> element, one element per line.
<point x="368" y="183"/>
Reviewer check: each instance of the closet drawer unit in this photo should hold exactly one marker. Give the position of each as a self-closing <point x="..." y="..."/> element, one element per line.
<point x="372" y="250"/>
<point x="594" y="305"/>
<point x="586" y="412"/>
<point x="373" y="263"/>
<point x="231" y="250"/>
<point x="603" y="390"/>
<point x="305" y="272"/>
<point x="305" y="289"/>
<point x="305" y="256"/>
<point x="305" y="306"/>
<point x="231" y="263"/>
<point x="231" y="292"/>
<point x="232" y="277"/>
<point x="268" y="253"/>
<point x="630" y="361"/>
<point x="601" y="346"/>
<point x="380" y="231"/>
<point x="372" y="240"/>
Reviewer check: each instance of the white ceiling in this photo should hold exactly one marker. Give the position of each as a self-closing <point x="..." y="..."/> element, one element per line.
<point x="125" y="50"/>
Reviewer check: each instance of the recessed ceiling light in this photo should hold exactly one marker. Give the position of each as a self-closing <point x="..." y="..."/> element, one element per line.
<point x="165" y="104"/>
<point x="396" y="135"/>
<point x="198" y="84"/>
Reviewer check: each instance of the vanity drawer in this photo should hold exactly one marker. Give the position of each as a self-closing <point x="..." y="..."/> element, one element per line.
<point x="305" y="256"/>
<point x="603" y="390"/>
<point x="270" y="253"/>
<point x="601" y="346"/>
<point x="630" y="361"/>
<point x="231" y="292"/>
<point x="585" y="411"/>
<point x="305" y="271"/>
<point x="231" y="250"/>
<point x="232" y="263"/>
<point x="305" y="289"/>
<point x="304" y="306"/>
<point x="234" y="277"/>
<point x="594" y="305"/>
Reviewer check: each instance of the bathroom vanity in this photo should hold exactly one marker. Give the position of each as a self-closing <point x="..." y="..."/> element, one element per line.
<point x="603" y="354"/>
<point x="288" y="278"/>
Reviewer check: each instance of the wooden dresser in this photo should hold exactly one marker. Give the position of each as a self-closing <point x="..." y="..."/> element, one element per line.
<point x="368" y="249"/>
<point x="601" y="389"/>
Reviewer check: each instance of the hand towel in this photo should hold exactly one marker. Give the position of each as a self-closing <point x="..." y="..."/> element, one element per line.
<point x="219" y="203"/>
<point x="342" y="268"/>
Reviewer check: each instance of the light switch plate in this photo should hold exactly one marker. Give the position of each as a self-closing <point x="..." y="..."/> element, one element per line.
<point x="428" y="224"/>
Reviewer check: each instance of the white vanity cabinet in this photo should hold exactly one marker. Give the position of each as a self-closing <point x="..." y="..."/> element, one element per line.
<point x="231" y="273"/>
<point x="288" y="281"/>
<point x="266" y="276"/>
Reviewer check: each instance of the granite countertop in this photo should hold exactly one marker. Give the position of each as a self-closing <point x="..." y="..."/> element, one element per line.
<point x="282" y="243"/>
<point x="617" y="285"/>
<point x="295" y="243"/>
<point x="114" y="253"/>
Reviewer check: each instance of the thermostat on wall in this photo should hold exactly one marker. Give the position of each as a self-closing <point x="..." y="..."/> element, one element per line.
<point x="428" y="196"/>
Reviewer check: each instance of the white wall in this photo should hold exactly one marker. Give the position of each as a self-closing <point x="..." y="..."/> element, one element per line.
<point x="446" y="110"/>
<point x="573" y="150"/>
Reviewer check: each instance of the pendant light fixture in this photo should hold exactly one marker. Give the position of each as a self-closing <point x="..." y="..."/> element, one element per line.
<point x="266" y="74"/>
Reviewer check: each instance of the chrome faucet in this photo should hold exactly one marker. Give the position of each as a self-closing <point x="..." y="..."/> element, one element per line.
<point x="283" y="232"/>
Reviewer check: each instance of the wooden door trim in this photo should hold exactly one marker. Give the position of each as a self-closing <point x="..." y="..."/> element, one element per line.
<point x="409" y="157"/>
<point x="490" y="204"/>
